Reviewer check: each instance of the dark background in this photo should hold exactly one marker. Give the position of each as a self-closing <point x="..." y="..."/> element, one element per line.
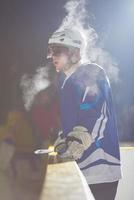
<point x="24" y="31"/>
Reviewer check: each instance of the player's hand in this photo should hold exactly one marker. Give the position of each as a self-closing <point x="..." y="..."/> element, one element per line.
<point x="78" y="141"/>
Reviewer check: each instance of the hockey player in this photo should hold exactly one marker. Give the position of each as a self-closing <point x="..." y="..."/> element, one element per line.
<point x="87" y="115"/>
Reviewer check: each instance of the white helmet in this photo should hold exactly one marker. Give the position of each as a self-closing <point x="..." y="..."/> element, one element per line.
<point x="67" y="37"/>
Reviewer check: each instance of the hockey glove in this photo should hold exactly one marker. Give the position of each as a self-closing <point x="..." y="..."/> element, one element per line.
<point x="78" y="141"/>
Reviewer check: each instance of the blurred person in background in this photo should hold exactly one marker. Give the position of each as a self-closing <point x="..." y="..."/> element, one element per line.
<point x="23" y="138"/>
<point x="7" y="148"/>
<point x="45" y="115"/>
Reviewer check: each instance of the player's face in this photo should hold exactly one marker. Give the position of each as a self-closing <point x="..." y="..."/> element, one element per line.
<point x="60" y="57"/>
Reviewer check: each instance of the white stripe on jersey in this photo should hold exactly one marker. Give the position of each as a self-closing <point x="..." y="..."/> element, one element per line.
<point x="103" y="123"/>
<point x="97" y="155"/>
<point x="102" y="173"/>
<point x="85" y="93"/>
<point x="98" y="122"/>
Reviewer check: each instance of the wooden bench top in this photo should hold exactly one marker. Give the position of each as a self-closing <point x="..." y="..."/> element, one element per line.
<point x="64" y="181"/>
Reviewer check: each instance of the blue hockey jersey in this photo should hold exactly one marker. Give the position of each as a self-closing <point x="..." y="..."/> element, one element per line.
<point x="86" y="100"/>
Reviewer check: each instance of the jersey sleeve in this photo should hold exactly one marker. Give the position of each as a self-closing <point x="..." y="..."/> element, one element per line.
<point x="95" y="104"/>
